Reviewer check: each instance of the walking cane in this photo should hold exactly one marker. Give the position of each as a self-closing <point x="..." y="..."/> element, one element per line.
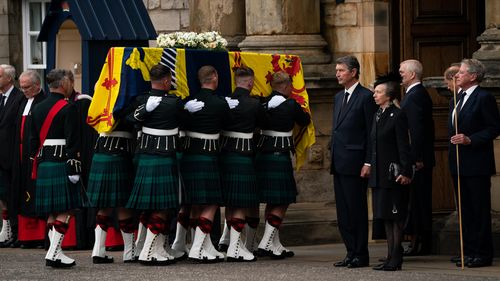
<point x="458" y="177"/>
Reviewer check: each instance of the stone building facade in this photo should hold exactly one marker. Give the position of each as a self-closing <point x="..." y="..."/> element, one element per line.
<point x="319" y="31"/>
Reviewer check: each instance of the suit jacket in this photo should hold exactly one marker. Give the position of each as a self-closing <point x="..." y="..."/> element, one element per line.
<point x="479" y="120"/>
<point x="23" y="198"/>
<point x="8" y="128"/>
<point x="350" y="146"/>
<point x="417" y="105"/>
<point x="390" y="144"/>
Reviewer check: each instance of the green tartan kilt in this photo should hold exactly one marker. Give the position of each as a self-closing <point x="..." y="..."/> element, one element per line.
<point x="239" y="183"/>
<point x="54" y="192"/>
<point x="4" y="185"/>
<point x="110" y="180"/>
<point x="200" y="174"/>
<point x="275" y="178"/>
<point x="156" y="185"/>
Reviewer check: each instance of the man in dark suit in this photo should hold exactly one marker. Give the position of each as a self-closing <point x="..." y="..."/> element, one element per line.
<point x="10" y="100"/>
<point x="417" y="105"/>
<point x="473" y="125"/>
<point x="31" y="228"/>
<point x="353" y="113"/>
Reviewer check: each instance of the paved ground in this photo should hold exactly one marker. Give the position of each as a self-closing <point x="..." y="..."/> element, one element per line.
<point x="310" y="263"/>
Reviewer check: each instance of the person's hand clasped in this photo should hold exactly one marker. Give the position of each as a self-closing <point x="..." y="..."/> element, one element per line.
<point x="403" y="180"/>
<point x="275" y="101"/>
<point x="194" y="105"/>
<point x="152" y="103"/>
<point x="232" y="102"/>
<point x="460" y="139"/>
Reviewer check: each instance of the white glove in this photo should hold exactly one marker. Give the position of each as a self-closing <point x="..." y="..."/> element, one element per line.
<point x="275" y="101"/>
<point x="232" y="102"/>
<point x="152" y="103"/>
<point x="74" y="178"/>
<point x="194" y="105"/>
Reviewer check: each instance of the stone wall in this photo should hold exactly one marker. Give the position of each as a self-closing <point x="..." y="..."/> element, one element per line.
<point x="168" y="15"/>
<point x="4" y="32"/>
<point x="359" y="28"/>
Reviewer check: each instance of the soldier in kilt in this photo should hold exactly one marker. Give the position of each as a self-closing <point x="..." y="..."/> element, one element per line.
<point x="110" y="183"/>
<point x="156" y="182"/>
<point x="239" y="183"/>
<point x="200" y="169"/>
<point x="55" y="145"/>
<point x="273" y="162"/>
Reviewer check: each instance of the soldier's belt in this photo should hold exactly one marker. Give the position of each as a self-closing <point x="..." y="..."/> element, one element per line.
<point x="237" y="135"/>
<point x="49" y="142"/>
<point x="118" y="134"/>
<point x="271" y="133"/>
<point x="160" y="132"/>
<point x="202" y="135"/>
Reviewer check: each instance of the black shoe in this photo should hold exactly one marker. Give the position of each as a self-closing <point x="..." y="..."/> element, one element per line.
<point x="288" y="253"/>
<point x="456" y="259"/>
<point x="389" y="267"/>
<point x="379" y="266"/>
<point x="357" y="263"/>
<point x="343" y="262"/>
<point x="58" y="264"/>
<point x="467" y="260"/>
<point x="7" y="243"/>
<point x="15" y="244"/>
<point x="479" y="262"/>
<point x="105" y="259"/>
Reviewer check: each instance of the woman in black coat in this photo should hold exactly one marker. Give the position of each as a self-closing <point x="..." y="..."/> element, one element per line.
<point x="390" y="143"/>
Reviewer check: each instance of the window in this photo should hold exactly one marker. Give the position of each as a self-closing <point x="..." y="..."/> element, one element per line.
<point x="34" y="52"/>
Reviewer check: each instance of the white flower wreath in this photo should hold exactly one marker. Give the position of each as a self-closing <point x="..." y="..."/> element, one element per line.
<point x="193" y="40"/>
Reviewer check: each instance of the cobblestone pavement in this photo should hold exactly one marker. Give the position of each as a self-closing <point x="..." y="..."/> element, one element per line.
<point x="310" y="263"/>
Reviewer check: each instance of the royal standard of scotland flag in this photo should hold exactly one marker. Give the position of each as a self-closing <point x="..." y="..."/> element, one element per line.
<point x="125" y="75"/>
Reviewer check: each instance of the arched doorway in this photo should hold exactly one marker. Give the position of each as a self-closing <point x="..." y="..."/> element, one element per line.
<point x="69" y="51"/>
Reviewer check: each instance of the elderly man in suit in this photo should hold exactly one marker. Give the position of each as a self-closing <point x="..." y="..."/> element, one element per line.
<point x="417" y="105"/>
<point x="10" y="100"/>
<point x="473" y="125"/>
<point x="350" y="160"/>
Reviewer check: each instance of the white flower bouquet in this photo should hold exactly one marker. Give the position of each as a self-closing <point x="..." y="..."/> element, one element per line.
<point x="192" y="40"/>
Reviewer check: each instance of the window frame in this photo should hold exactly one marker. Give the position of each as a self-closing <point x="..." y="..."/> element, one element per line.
<point x="28" y="34"/>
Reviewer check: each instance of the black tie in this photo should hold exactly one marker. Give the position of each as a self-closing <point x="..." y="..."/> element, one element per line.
<point x="344" y="102"/>
<point x="2" y="100"/>
<point x="461" y="96"/>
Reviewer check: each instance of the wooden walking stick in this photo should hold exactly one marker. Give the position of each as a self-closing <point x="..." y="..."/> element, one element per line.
<point x="458" y="176"/>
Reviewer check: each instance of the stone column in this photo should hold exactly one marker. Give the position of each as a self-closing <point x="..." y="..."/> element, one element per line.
<point x="225" y="16"/>
<point x="286" y="27"/>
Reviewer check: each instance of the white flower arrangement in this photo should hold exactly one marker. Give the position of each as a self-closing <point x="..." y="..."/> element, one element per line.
<point x="193" y="40"/>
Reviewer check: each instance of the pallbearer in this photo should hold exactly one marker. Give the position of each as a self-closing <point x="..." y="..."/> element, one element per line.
<point x="239" y="183"/>
<point x="156" y="181"/>
<point x="110" y="183"/>
<point x="273" y="162"/>
<point x="55" y="149"/>
<point x="199" y="163"/>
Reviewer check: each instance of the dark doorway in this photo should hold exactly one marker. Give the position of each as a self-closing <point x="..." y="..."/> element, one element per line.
<point x="437" y="33"/>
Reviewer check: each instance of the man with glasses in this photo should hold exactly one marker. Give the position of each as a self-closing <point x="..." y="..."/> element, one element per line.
<point x="31" y="229"/>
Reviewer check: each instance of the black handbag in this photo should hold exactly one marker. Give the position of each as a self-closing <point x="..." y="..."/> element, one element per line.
<point x="395" y="171"/>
